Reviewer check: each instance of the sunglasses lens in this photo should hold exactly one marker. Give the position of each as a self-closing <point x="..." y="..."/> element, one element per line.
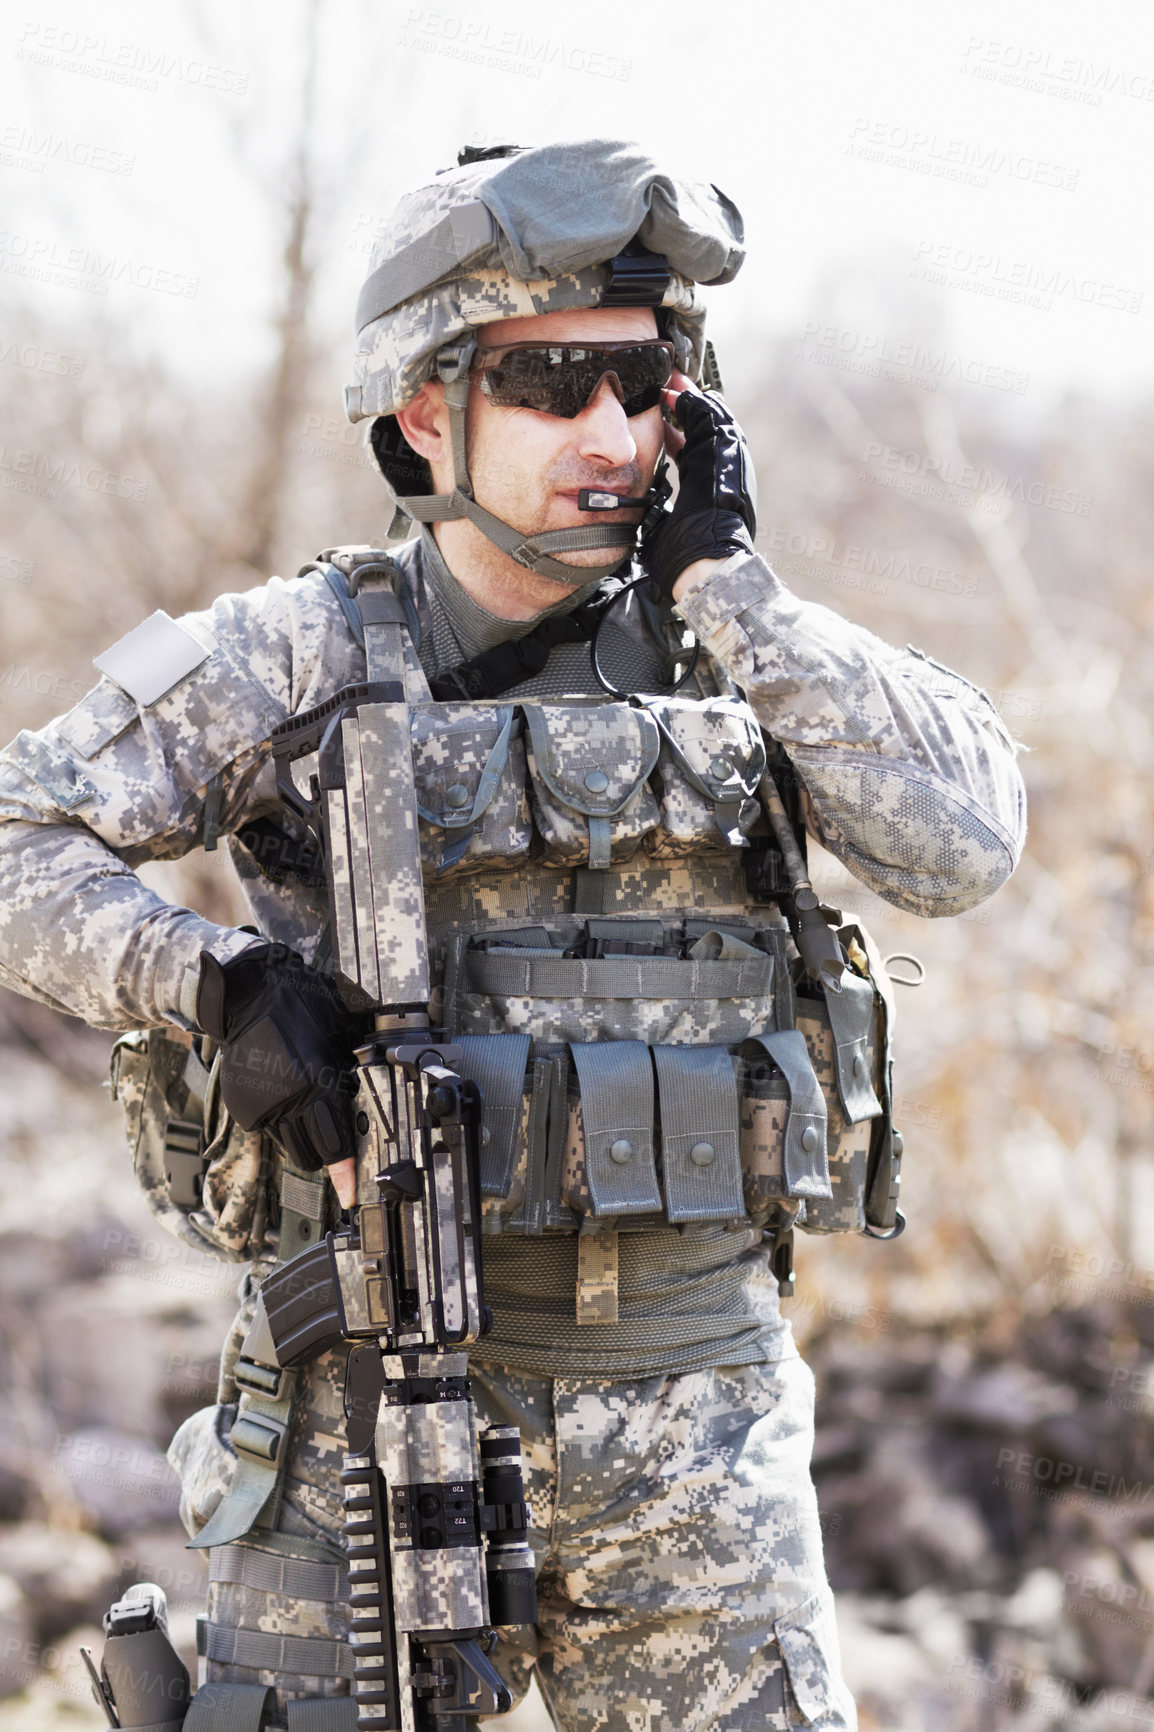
<point x="561" y="380"/>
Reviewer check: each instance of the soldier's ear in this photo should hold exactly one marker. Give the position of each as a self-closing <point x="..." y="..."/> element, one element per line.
<point x="425" y="424"/>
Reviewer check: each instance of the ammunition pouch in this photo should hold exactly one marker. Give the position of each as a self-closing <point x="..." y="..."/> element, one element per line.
<point x="640" y="1072"/>
<point x="581" y="785"/>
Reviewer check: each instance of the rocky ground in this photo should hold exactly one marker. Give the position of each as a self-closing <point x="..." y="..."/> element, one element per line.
<point x="987" y="1491"/>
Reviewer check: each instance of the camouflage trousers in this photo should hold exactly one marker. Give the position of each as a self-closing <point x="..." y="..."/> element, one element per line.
<point x="680" y="1577"/>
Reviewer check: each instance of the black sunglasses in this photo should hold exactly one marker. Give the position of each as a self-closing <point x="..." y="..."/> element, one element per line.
<point x="561" y="378"/>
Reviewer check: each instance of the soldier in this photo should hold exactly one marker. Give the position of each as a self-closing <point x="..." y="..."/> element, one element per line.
<point x="528" y="342"/>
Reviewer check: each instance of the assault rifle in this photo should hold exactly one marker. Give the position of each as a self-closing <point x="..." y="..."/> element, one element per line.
<point x="436" y="1522"/>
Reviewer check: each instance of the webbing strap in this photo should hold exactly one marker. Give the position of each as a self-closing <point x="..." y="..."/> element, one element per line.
<point x="600" y="844"/>
<point x="300" y="1546"/>
<point x="700" y="1149"/>
<point x="303" y="1194"/>
<point x="497" y="1063"/>
<point x="656" y="977"/>
<point x="229" y="1708"/>
<point x="532" y="551"/>
<point x="453" y="366"/>
<point x="885" y="1164"/>
<point x="616" y="1081"/>
<point x="628" y="932"/>
<point x="259" y="1437"/>
<point x="588" y="891"/>
<point x="336" y="582"/>
<point x="851" y="1016"/>
<point x="384" y="621"/>
<point x="597" y="1296"/>
<point x="322" y="1714"/>
<point x="805" y="1155"/>
<point x="250" y="1566"/>
<point x="265" y="1651"/>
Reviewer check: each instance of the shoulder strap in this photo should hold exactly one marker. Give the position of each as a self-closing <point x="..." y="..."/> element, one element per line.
<point x="373" y="596"/>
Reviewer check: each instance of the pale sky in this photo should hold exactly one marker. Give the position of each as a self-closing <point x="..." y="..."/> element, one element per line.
<point x="981" y="170"/>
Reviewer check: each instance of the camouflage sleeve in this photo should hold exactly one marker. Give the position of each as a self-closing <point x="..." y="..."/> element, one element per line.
<point x="117" y="782"/>
<point x="909" y="769"/>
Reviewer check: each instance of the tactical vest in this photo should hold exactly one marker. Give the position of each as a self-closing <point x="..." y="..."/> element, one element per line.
<point x="663" y="1059"/>
<point x="650" y="1049"/>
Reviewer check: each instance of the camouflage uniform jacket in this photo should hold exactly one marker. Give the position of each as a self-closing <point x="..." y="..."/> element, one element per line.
<point x="909" y="772"/>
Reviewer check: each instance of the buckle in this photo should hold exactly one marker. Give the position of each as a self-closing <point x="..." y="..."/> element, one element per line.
<point x="184" y="1162"/>
<point x="266" y="1381"/>
<point x="453" y="360"/>
<point x="258" y="1439"/>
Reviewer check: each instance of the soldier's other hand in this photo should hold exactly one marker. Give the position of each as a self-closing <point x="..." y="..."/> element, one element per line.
<point x="714" y="514"/>
<point x="288" y="1040"/>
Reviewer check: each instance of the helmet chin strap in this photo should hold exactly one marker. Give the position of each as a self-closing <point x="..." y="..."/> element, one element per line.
<point x="534" y="552"/>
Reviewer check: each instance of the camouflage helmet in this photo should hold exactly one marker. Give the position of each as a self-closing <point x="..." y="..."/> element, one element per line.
<point x="508" y="234"/>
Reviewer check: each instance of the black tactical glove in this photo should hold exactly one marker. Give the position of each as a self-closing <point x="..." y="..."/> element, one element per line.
<point x="714" y="512"/>
<point x="288" y="1041"/>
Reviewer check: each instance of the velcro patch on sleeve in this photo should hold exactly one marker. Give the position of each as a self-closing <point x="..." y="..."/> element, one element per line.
<point x="152" y="658"/>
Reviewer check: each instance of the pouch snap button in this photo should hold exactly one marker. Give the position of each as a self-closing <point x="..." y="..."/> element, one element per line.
<point x="859" y="1064"/>
<point x="809" y="1139"/>
<point x="701" y="1154"/>
<point x="457" y="795"/>
<point x="722" y="769"/>
<point x="597" y="781"/>
<point x="621" y="1151"/>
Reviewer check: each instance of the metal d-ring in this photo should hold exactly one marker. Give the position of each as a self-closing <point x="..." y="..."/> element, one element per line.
<point x="903" y="979"/>
<point x="895" y="1232"/>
